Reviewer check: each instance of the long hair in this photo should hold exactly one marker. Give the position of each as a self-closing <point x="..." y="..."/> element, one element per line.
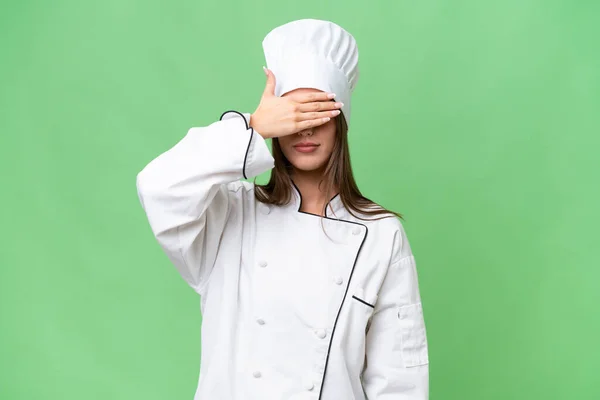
<point x="338" y="173"/>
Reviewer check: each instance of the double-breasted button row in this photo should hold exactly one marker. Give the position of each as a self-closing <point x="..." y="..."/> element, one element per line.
<point x="307" y="383"/>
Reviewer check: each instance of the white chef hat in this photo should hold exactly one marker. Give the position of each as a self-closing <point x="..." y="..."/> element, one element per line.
<point x="311" y="53"/>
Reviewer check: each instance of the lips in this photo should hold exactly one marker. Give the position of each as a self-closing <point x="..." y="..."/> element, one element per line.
<point x="306" y="145"/>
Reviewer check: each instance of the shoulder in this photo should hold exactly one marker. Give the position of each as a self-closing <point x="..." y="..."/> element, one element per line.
<point x="385" y="221"/>
<point x="388" y="230"/>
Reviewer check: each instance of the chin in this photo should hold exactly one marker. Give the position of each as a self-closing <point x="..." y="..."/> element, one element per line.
<point x="307" y="165"/>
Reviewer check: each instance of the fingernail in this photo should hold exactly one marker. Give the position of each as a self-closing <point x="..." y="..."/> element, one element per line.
<point x="339" y="105"/>
<point x="326" y="119"/>
<point x="335" y="112"/>
<point x="265" y="69"/>
<point x="331" y="95"/>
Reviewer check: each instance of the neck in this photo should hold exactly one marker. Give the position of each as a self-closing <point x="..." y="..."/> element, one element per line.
<point x="314" y="197"/>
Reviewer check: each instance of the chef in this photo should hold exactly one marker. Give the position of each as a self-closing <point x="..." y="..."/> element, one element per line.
<point x="308" y="289"/>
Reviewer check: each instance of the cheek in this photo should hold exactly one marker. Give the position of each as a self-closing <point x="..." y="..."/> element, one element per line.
<point x="326" y="134"/>
<point x="285" y="143"/>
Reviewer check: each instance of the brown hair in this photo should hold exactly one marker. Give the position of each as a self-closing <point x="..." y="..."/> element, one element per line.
<point x="338" y="172"/>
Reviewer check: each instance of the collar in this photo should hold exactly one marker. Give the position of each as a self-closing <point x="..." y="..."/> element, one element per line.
<point x="334" y="209"/>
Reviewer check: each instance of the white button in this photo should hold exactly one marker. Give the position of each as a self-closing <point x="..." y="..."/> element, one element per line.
<point x="263" y="264"/>
<point x="339" y="280"/>
<point x="356" y="231"/>
<point x="260" y="321"/>
<point x="257" y="374"/>
<point x="308" y="385"/>
<point x="321" y="333"/>
<point x="265" y="209"/>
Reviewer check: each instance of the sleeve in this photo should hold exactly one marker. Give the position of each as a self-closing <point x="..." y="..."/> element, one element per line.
<point x="397" y="361"/>
<point x="185" y="191"/>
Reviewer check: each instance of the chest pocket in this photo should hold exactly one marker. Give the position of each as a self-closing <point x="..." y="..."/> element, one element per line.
<point x="361" y="307"/>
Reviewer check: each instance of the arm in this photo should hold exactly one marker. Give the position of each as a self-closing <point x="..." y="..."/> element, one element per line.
<point x="185" y="191"/>
<point x="397" y="363"/>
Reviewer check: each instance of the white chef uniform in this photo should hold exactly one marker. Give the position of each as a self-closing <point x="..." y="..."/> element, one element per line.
<point x="295" y="306"/>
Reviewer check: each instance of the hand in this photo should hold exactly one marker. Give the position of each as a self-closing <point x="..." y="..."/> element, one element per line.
<point x="281" y="116"/>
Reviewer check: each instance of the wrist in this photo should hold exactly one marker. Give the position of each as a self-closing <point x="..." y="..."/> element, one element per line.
<point x="253" y="125"/>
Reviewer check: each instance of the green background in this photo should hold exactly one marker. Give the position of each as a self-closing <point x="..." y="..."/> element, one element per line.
<point x="477" y="120"/>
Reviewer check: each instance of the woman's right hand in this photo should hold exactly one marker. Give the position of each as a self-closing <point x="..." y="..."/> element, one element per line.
<point x="281" y="116"/>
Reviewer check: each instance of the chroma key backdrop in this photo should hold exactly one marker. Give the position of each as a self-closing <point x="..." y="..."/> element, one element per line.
<point x="479" y="121"/>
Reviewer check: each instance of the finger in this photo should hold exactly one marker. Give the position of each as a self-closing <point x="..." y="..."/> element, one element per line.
<point x="270" y="85"/>
<point x="319" y="106"/>
<point x="311" y="123"/>
<point x="311" y="97"/>
<point x="317" y="115"/>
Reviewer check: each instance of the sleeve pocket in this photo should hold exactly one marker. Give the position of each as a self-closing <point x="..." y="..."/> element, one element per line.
<point x="413" y="335"/>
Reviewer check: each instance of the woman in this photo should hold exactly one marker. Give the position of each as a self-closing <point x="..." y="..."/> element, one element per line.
<point x="304" y="294"/>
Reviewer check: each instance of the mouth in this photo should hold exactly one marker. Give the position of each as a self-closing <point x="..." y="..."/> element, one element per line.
<point x="306" y="147"/>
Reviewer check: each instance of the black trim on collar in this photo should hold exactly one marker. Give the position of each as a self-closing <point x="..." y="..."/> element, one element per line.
<point x="249" y="142"/>
<point x="326" y="206"/>
<point x="328" y="202"/>
<point x="364" y="302"/>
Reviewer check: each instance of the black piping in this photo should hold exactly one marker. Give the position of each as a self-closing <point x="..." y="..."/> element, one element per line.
<point x="364" y="302"/>
<point x="327" y="203"/>
<point x="316" y="215"/>
<point x="249" y="142"/>
<point x="348" y="282"/>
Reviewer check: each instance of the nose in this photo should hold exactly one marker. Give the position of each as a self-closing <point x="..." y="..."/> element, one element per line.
<point x="305" y="132"/>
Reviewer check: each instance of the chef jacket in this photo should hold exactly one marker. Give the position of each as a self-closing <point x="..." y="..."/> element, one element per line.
<point x="295" y="306"/>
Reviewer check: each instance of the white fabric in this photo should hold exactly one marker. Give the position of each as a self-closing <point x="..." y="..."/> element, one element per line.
<point x="311" y="53"/>
<point x="289" y="311"/>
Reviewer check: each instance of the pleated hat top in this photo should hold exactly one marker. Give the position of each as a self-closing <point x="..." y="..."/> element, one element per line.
<point x="311" y="53"/>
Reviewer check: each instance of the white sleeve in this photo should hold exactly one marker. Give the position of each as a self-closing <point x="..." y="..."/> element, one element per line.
<point x="397" y="360"/>
<point x="185" y="191"/>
